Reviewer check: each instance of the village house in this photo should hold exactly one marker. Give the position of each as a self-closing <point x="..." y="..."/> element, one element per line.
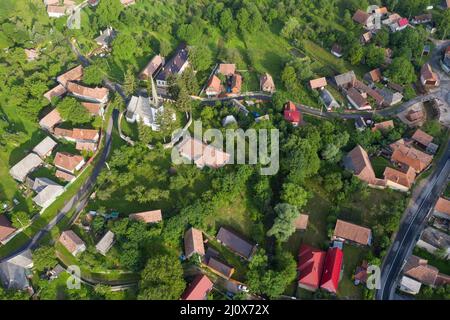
<point x="95" y="109"/>
<point x="25" y="166"/>
<point x="407" y="155"/>
<point x="415" y="116"/>
<point x="367" y="91"/>
<point x="346" y="231"/>
<point x="332" y="270"/>
<point x="127" y="3"/>
<point x="105" y="243"/>
<point x="422" y="138"/>
<point x="336" y="50"/>
<point x="301" y="223"/>
<point x="428" y="77"/>
<point x="227" y="69"/>
<point x="292" y="114"/>
<point x="418" y="269"/>
<point x="442" y="209"/>
<point x="57" y="92"/>
<point x="47" y="191"/>
<point x="6" y="229"/>
<point x="383" y="126"/>
<point x="175" y="66"/>
<point x="64" y="176"/>
<point x="97" y="94"/>
<point x="45" y="147"/>
<point x="423" y="18"/>
<point x="68" y="162"/>
<point x="319" y="83"/>
<point x="16" y="272"/>
<point x="236" y="83"/>
<point x="396" y="87"/>
<point x="74" y="74"/>
<point x="31" y="54"/>
<point x="49" y="121"/>
<point x="193" y="243"/>
<point x="230" y="119"/>
<point x="357" y="100"/>
<point x="392" y="18"/>
<point x="202" y="154"/>
<point x="153" y="216"/>
<point x="310" y="266"/>
<point x="220" y="268"/>
<point x="56" y="11"/>
<point x="62" y="133"/>
<point x="345" y="80"/>
<point x="373" y="76"/>
<point x="401" y="180"/>
<point x="409" y="285"/>
<point x="198" y="289"/>
<point x="105" y="38"/>
<point x="72" y="242"/>
<point x="360" y="275"/>
<point x="366" y="37"/>
<point x="390" y="98"/>
<point x="236" y="243"/>
<point x="266" y="83"/>
<point x="328" y="100"/>
<point x="357" y="161"/>
<point x="85" y="135"/>
<point x="432" y="240"/>
<point x="152" y="67"/>
<point x="366" y="20"/>
<point x="399" y="25"/>
<point x="86" y="146"/>
<point x="214" y="86"/>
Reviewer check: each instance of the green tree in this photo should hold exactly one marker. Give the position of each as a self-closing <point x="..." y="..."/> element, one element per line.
<point x="44" y="258"/>
<point x="72" y="110"/>
<point x="162" y="279"/>
<point x="108" y="12"/>
<point x="226" y="21"/>
<point x="356" y="54"/>
<point x="294" y="195"/>
<point x="20" y="219"/>
<point x="130" y="84"/>
<point x="93" y="75"/>
<point x="401" y="71"/>
<point x="283" y="226"/>
<point x="200" y="57"/>
<point x="374" y="56"/>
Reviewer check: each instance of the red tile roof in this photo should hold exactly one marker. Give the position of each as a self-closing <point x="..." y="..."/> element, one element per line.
<point x="301" y="222"/>
<point x="227" y="69"/>
<point x="383" y="126"/>
<point x="193" y="242"/>
<point x="214" y="85"/>
<point x="349" y="231"/>
<point x="402" y="22"/>
<point x="310" y="266"/>
<point x="153" y="216"/>
<point x="51" y="119"/>
<point x="291" y="113"/>
<point x="198" y="289"/>
<point x="361" y="17"/>
<point x="151" y="67"/>
<point x="442" y="205"/>
<point x="85" y="134"/>
<point x="92" y="108"/>
<point x="332" y="270"/>
<point x="67" y="161"/>
<point x="410" y="156"/>
<point x="405" y="179"/>
<point x="57" y="91"/>
<point x="318" y="83"/>
<point x="70" y="240"/>
<point x="74" y="74"/>
<point x="6" y="229"/>
<point x="86" y="92"/>
<point x="422" y="137"/>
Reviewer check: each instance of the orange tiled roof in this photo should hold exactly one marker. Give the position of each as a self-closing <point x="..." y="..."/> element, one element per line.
<point x="422" y="137"/>
<point x="74" y="74"/>
<point x="318" y="83"/>
<point x="352" y="232"/>
<point x="153" y="216"/>
<point x="443" y="205"/>
<point x="403" y="178"/>
<point x="67" y="161"/>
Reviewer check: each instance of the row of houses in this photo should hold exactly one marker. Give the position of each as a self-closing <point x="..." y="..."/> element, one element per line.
<point x="75" y="245"/>
<point x="194" y="243"/>
<point x="379" y="17"/>
<point x="408" y="160"/>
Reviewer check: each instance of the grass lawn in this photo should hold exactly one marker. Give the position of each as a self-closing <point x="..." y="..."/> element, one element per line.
<point x="379" y="164"/>
<point x="353" y="257"/>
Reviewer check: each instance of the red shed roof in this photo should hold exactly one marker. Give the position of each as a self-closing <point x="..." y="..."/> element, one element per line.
<point x="332" y="270"/>
<point x="310" y="265"/>
<point x="198" y="289"/>
<point x="291" y="113"/>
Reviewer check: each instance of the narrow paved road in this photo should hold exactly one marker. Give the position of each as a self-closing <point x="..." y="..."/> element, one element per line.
<point x="79" y="200"/>
<point x="411" y="227"/>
